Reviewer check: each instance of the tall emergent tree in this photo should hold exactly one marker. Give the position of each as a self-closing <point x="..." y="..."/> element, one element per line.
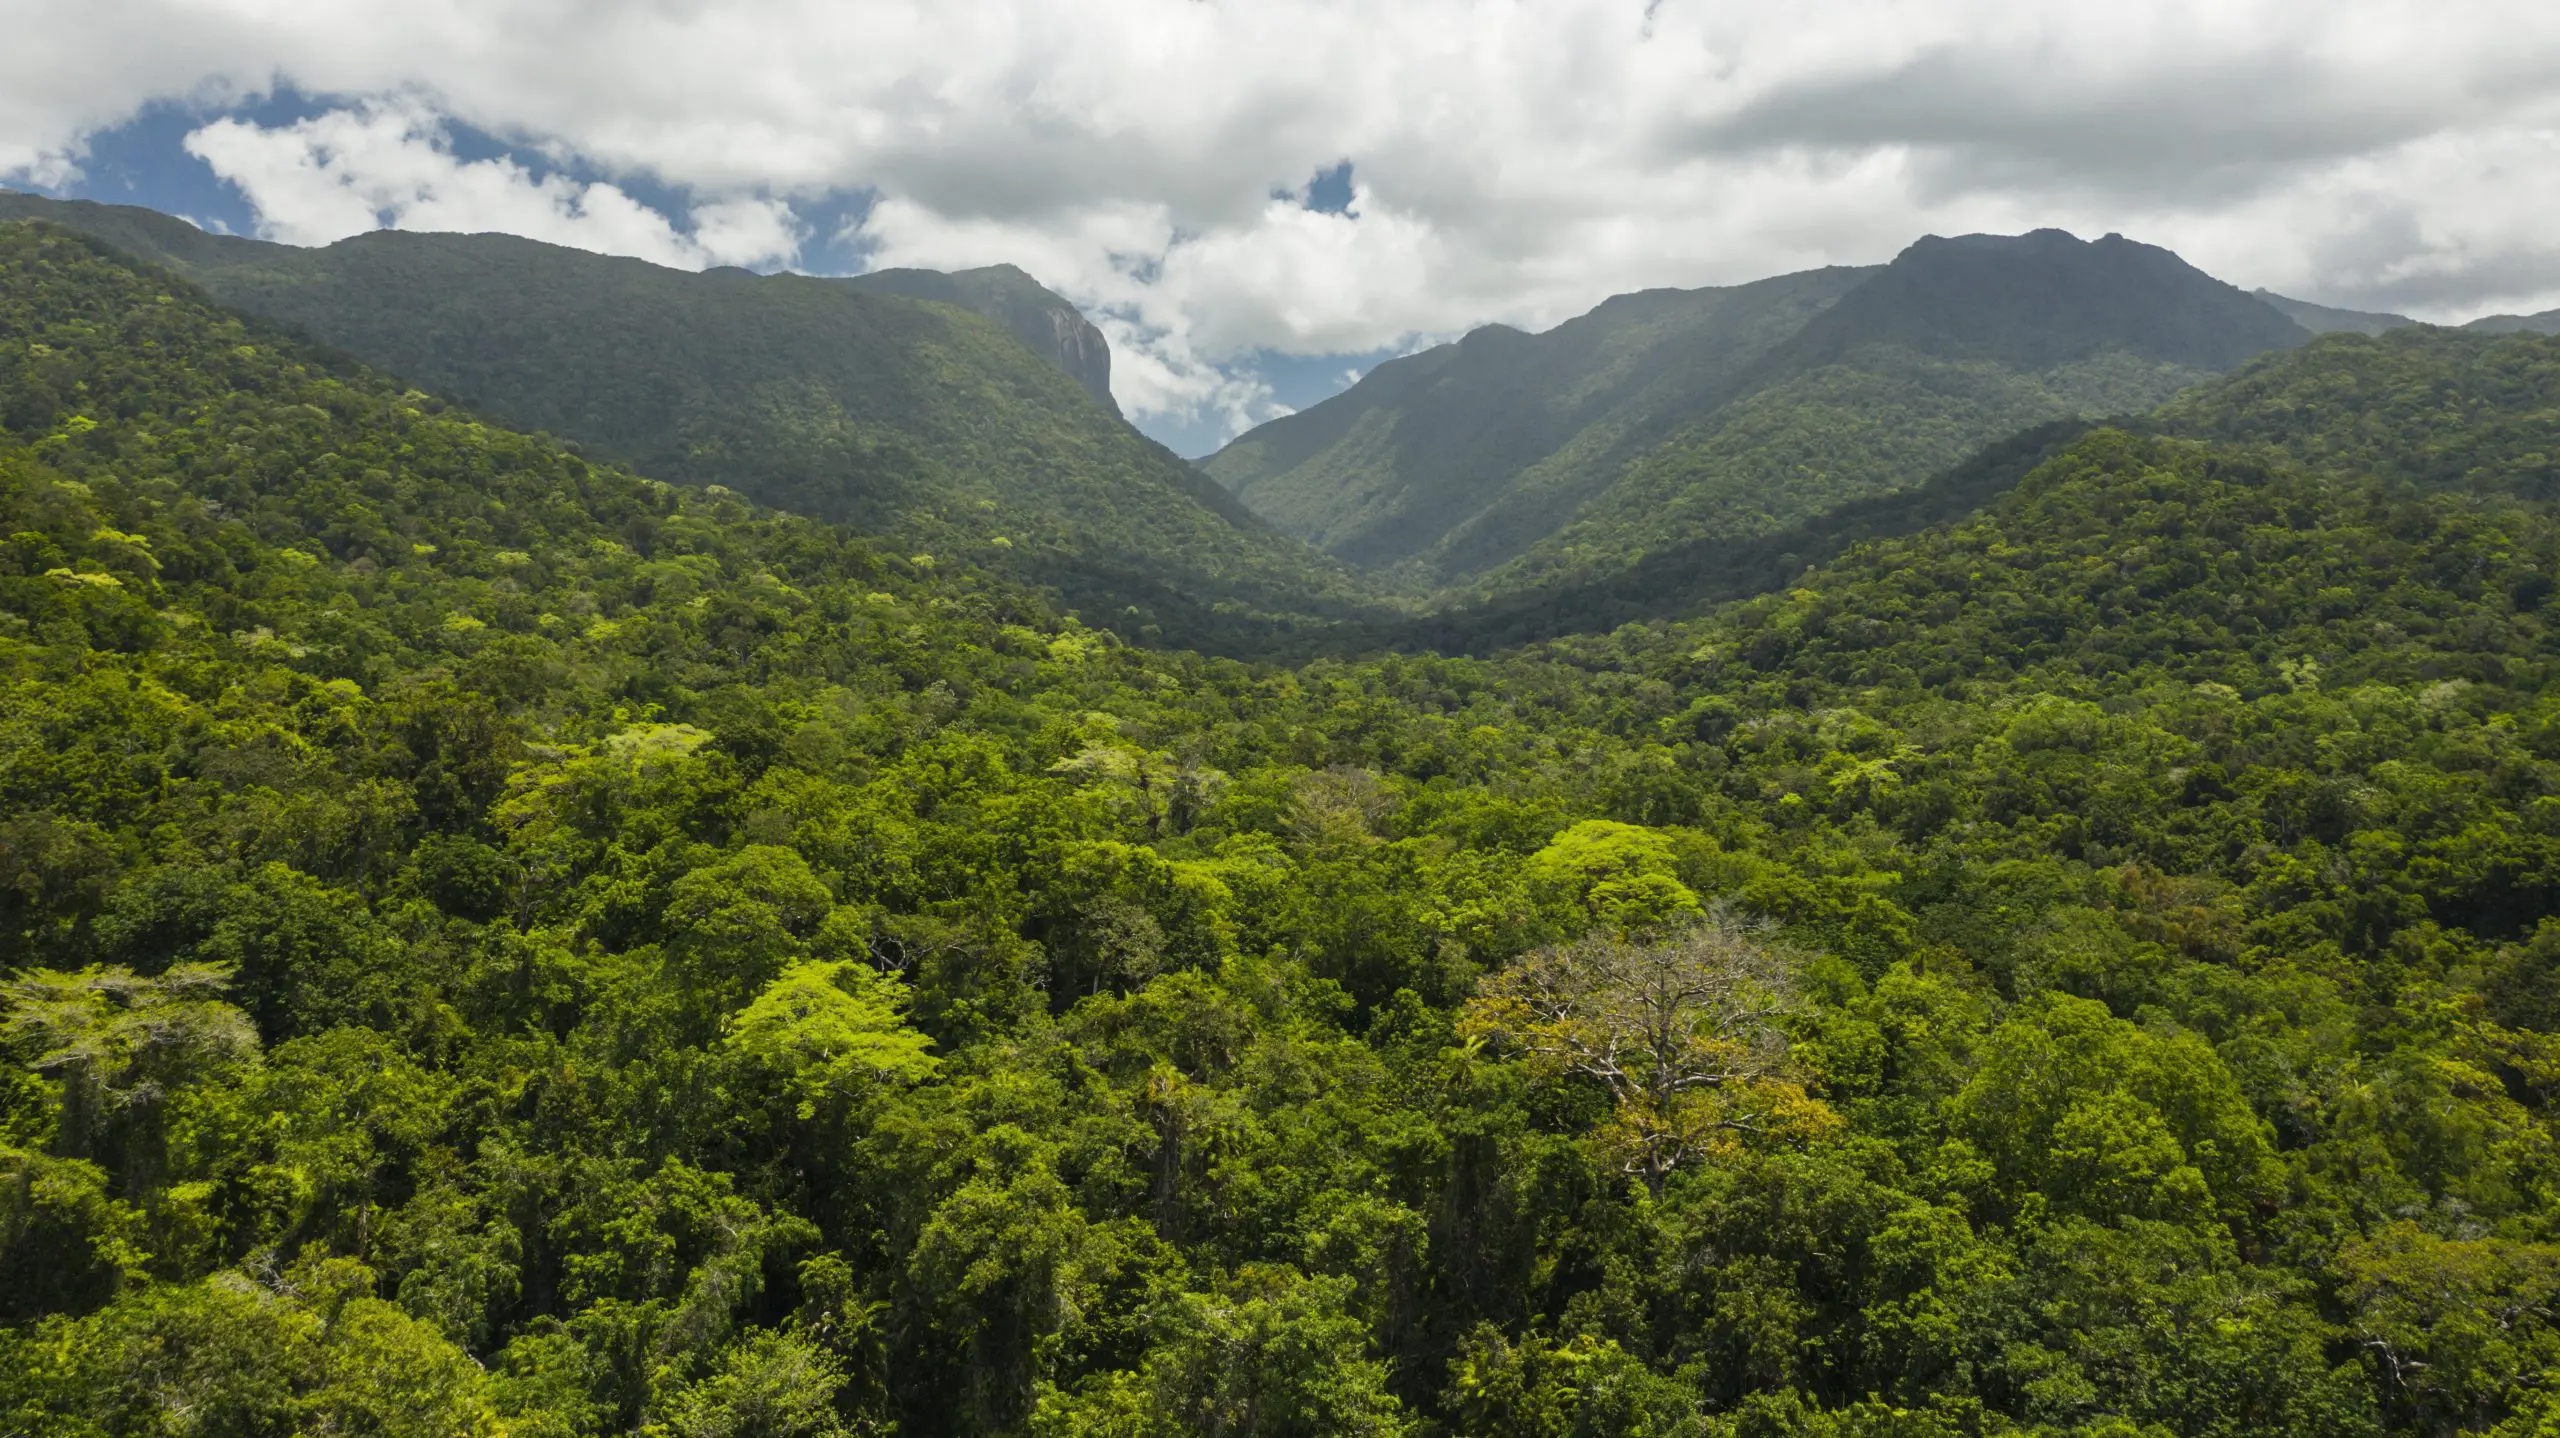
<point x="1680" y="1024"/>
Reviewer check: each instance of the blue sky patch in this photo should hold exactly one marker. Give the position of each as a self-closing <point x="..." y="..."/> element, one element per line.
<point x="144" y="162"/>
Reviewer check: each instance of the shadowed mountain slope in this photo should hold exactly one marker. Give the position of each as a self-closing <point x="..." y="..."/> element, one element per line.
<point x="2545" y="323"/>
<point x="1484" y="466"/>
<point x="2422" y="407"/>
<point x="1422" y="445"/>
<point x="911" y="418"/>
<point x="1049" y="326"/>
<point x="2043" y="299"/>
<point x="2327" y="319"/>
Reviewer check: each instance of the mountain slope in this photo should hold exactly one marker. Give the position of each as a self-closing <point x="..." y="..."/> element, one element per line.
<point x="2429" y="407"/>
<point x="2545" y="323"/>
<point x="1045" y="323"/>
<point x="2424" y="407"/>
<point x="2325" y="319"/>
<point x="2038" y="300"/>
<point x="1683" y="578"/>
<point x="907" y="417"/>
<point x="1384" y="471"/>
<point x="1956" y="343"/>
<point x="1835" y="385"/>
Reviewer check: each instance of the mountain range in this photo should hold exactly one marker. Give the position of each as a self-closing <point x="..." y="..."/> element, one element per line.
<point x="2545" y="323"/>
<point x="1666" y="448"/>
<point x="965" y="416"/>
<point x="2322" y="319"/>
<point x="493" y="943"/>
<point x="1506" y="461"/>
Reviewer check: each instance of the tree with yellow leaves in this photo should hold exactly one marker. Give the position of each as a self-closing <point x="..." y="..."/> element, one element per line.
<point x="1680" y="1024"/>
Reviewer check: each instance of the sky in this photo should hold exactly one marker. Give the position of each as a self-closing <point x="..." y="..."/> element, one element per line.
<point x="1260" y="199"/>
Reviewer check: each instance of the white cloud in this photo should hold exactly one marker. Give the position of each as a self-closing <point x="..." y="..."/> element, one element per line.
<point x="391" y="166"/>
<point x="1517" y="160"/>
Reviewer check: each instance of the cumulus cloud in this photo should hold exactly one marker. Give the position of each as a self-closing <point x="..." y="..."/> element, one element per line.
<point x="1179" y="306"/>
<point x="392" y="166"/>
<point x="1513" y="160"/>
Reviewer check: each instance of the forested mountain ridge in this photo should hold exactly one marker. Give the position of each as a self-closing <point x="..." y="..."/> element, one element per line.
<point x="2046" y="298"/>
<point x="1957" y="343"/>
<point x="2434" y="408"/>
<point x="494" y="944"/>
<point x="1895" y="373"/>
<point x="2424" y="406"/>
<point x="1383" y="472"/>
<point x="931" y="427"/>
<point x="1053" y="329"/>
<point x="1044" y="321"/>
<point x="2326" y="319"/>
<point x="2545" y="323"/>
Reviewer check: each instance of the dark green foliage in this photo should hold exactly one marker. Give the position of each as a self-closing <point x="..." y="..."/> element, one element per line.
<point x="1670" y="421"/>
<point x="494" y="944"/>
<point x="1384" y="473"/>
<point x="2323" y="319"/>
<point x="931" y="426"/>
<point x="2428" y="406"/>
<point x="1687" y="576"/>
<point x="1047" y="325"/>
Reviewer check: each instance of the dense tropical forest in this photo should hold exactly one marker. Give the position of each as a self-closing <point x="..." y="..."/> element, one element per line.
<point x="496" y="944"/>
<point x="904" y="403"/>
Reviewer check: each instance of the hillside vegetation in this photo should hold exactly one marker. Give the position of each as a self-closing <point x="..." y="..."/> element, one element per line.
<point x="2428" y="407"/>
<point x="1383" y="473"/>
<point x="1046" y="324"/>
<point x="930" y="426"/>
<point x="2475" y="410"/>
<point x="2545" y="323"/>
<point x="1511" y="462"/>
<point x="495" y="944"/>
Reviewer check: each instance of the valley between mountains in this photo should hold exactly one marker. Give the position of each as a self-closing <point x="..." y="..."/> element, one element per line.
<point x="1962" y="847"/>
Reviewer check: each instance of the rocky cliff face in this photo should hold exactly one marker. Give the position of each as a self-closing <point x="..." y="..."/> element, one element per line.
<point x="1054" y="329"/>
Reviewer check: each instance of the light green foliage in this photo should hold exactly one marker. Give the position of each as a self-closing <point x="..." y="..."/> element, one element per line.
<point x="743" y="980"/>
<point x="774" y="1385"/>
<point x="2113" y="1120"/>
<point x="229" y="1356"/>
<point x="2449" y="1319"/>
<point x="118" y="1041"/>
<point x="827" y="1025"/>
<point x="1583" y="1388"/>
<point x="1621" y="874"/>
